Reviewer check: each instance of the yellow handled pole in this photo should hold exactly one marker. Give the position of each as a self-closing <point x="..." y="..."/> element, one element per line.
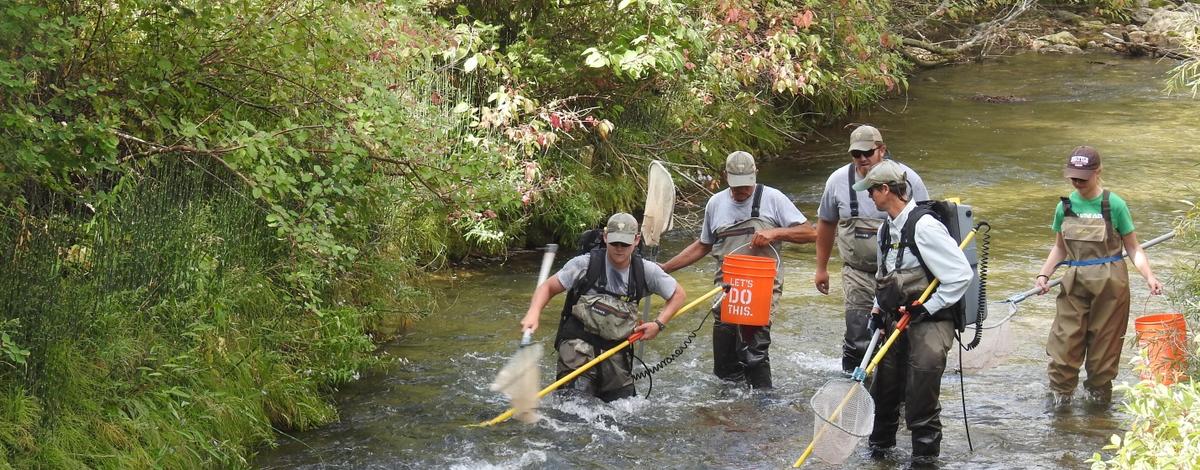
<point x="900" y="327"/>
<point x="569" y="377"/>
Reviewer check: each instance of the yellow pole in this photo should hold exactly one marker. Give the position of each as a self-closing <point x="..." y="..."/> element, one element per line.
<point x="900" y="326"/>
<point x="569" y="377"/>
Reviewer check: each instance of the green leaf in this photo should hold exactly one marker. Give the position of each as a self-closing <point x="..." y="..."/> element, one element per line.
<point x="623" y="4"/>
<point x="470" y="63"/>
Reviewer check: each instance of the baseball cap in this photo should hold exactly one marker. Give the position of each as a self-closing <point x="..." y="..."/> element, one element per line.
<point x="621" y="228"/>
<point x="864" y="138"/>
<point x="740" y="169"/>
<point x="1082" y="163"/>
<point x="884" y="172"/>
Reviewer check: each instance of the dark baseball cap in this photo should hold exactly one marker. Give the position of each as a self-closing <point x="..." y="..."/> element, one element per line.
<point x="1083" y="163"/>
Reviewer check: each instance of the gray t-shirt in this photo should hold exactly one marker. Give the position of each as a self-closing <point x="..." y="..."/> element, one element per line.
<point x="657" y="280"/>
<point x="835" y="201"/>
<point x="722" y="210"/>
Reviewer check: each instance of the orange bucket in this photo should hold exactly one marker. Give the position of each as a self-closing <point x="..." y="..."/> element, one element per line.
<point x="1164" y="338"/>
<point x="750" y="280"/>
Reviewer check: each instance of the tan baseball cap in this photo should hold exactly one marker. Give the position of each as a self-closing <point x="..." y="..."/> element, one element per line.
<point x="1083" y="163"/>
<point x="884" y="172"/>
<point x="740" y="169"/>
<point x="865" y="138"/>
<point x="621" y="228"/>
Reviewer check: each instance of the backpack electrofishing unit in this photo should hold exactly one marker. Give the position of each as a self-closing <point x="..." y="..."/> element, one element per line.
<point x="959" y="220"/>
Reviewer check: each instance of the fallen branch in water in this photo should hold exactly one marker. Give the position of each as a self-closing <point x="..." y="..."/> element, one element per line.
<point x="1135" y="48"/>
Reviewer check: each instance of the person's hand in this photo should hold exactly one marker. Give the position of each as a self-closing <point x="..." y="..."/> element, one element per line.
<point x="874" y="322"/>
<point x="1156" y="287"/>
<point x="763" y="238"/>
<point x="530" y="322"/>
<point x="917" y="312"/>
<point x="649" y="330"/>
<point x="1042" y="284"/>
<point x="821" y="280"/>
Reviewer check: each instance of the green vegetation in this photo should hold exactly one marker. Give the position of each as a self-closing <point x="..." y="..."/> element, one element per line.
<point x="1164" y="426"/>
<point x="208" y="209"/>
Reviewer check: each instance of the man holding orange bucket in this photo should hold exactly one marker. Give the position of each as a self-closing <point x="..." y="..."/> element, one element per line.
<point x="751" y="220"/>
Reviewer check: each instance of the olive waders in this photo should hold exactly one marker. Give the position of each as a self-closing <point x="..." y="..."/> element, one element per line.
<point x="857" y="247"/>
<point x="911" y="373"/>
<point x="1093" y="307"/>
<point x="740" y="351"/>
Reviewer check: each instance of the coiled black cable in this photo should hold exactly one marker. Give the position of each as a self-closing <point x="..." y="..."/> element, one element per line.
<point x="983" y="230"/>
<point x="650" y="370"/>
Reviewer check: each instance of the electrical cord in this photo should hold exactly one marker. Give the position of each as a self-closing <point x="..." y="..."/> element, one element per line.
<point x="984" y="231"/>
<point x="650" y="370"/>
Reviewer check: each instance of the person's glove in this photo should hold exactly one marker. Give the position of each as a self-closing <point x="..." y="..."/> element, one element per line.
<point x="874" y="322"/>
<point x="917" y="312"/>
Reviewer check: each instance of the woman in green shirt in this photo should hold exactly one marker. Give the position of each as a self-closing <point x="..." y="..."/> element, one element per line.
<point x="1092" y="226"/>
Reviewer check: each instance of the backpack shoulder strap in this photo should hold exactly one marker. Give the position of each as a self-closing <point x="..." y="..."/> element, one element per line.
<point x="638" y="288"/>
<point x="594" y="277"/>
<point x="908" y="237"/>
<point x="758" y="190"/>
<point x="850" y="189"/>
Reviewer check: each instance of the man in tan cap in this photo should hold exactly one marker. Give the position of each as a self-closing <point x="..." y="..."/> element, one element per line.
<point x="601" y="311"/>
<point x="913" y="250"/>
<point x="851" y="219"/>
<point x="753" y="219"/>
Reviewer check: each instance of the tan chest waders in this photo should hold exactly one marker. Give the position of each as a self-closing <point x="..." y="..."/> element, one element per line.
<point x="857" y="244"/>
<point x="1093" y="305"/>
<point x="741" y="352"/>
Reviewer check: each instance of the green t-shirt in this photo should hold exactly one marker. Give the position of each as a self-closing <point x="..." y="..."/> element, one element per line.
<point x="1090" y="208"/>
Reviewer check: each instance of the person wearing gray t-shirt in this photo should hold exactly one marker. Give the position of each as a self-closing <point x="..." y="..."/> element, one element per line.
<point x="604" y="287"/>
<point x="751" y="219"/>
<point x="851" y="219"/>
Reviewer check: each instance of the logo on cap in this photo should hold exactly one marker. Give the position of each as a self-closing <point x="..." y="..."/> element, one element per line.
<point x="1080" y="160"/>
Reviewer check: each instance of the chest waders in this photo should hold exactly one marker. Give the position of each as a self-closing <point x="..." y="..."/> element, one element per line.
<point x="740" y="352"/>
<point x="856" y="242"/>
<point x="912" y="373"/>
<point x="1093" y="306"/>
<point x="589" y="324"/>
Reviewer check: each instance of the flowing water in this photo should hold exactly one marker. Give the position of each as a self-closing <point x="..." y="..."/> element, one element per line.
<point x="1004" y="159"/>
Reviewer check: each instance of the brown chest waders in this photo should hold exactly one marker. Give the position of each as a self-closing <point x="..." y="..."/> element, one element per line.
<point x="1093" y="306"/>
<point x="740" y="352"/>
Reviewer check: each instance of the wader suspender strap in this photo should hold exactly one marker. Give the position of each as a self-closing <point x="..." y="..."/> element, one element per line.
<point x="758" y="190"/>
<point x="1106" y="212"/>
<point x="850" y="188"/>
<point x="595" y="277"/>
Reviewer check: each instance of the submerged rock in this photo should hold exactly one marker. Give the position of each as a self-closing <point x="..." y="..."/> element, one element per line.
<point x="997" y="98"/>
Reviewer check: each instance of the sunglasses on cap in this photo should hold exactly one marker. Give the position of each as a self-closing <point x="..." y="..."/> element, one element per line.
<point x="862" y="153"/>
<point x="1078" y="180"/>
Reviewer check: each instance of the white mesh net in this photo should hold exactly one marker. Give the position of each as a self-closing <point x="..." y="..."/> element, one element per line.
<point x="845" y="413"/>
<point x="994" y="347"/>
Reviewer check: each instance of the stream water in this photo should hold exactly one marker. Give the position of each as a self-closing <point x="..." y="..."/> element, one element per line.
<point x="1004" y="159"/>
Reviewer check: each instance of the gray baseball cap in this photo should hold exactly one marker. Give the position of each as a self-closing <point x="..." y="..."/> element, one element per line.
<point x="621" y="228"/>
<point x="740" y="169"/>
<point x="883" y="172"/>
<point x="865" y="138"/>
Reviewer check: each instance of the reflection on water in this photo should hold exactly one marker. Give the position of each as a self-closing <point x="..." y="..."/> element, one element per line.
<point x="1004" y="159"/>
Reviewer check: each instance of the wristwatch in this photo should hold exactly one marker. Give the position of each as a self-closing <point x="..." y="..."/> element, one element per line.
<point x="661" y="325"/>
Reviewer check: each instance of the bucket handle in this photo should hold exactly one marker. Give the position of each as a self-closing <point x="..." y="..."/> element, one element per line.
<point x="778" y="259"/>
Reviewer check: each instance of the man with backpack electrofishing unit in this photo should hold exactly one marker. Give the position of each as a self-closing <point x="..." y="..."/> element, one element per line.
<point x="752" y="219"/>
<point x="850" y="218"/>
<point x="913" y="251"/>
<point x="605" y="286"/>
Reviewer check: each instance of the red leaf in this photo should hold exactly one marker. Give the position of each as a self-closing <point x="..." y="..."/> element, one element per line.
<point x="435" y="98"/>
<point x="885" y="40"/>
<point x="555" y="121"/>
<point x="803" y="20"/>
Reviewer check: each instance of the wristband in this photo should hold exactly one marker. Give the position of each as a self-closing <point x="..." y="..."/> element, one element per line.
<point x="661" y="325"/>
<point x="1043" y="275"/>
